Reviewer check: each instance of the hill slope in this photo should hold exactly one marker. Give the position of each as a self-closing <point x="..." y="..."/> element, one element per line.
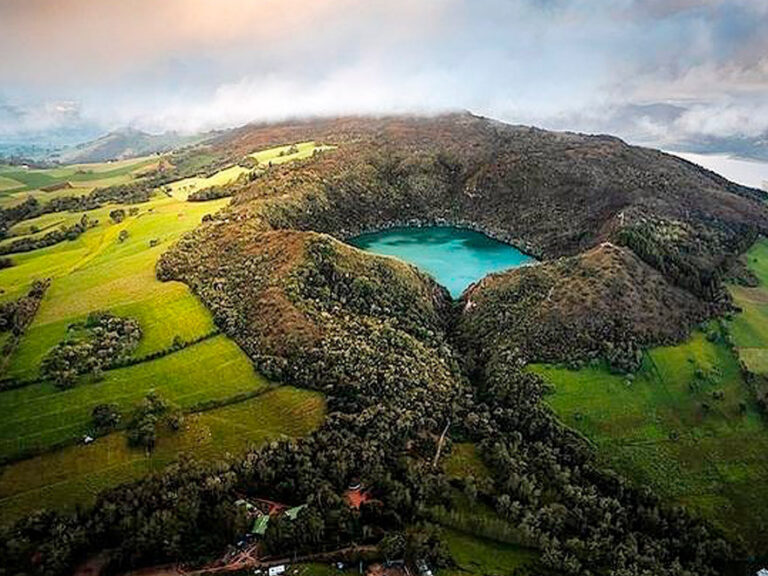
<point x="122" y="144"/>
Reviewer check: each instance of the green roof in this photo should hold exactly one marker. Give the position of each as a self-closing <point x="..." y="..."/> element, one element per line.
<point x="292" y="513"/>
<point x="260" y="525"/>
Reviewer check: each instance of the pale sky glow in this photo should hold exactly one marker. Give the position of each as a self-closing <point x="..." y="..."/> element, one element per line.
<point x="650" y="70"/>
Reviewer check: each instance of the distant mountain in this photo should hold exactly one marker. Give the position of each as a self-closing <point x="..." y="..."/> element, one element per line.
<point x="749" y="147"/>
<point x="121" y="144"/>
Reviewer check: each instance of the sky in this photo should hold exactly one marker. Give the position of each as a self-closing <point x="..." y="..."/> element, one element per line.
<point x="652" y="71"/>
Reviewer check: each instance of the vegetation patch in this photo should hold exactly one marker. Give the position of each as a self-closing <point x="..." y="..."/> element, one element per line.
<point x="40" y="416"/>
<point x="102" y="340"/>
<point x="18" y="184"/>
<point x="475" y="555"/>
<point x="75" y="475"/>
<point x="464" y="461"/>
<point x="685" y="424"/>
<point x="749" y="328"/>
<point x="97" y="271"/>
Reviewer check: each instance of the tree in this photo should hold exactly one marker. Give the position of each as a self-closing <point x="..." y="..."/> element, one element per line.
<point x="105" y="417"/>
<point x="117" y="215"/>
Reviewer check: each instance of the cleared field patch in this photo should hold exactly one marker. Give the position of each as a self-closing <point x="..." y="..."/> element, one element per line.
<point x="74" y="475"/>
<point x="7" y="184"/>
<point x="474" y="555"/>
<point x="181" y="189"/>
<point x="39" y="416"/>
<point x="12" y="198"/>
<point x="289" y="153"/>
<point x="687" y="426"/>
<point x="103" y="172"/>
<point x="749" y="329"/>
<point x="98" y="272"/>
<point x="465" y="461"/>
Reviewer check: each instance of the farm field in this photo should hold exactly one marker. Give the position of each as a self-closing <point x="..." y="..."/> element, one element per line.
<point x="181" y="189"/>
<point x="97" y="271"/>
<point x="74" y="475"/>
<point x="283" y="154"/>
<point x="111" y="266"/>
<point x="749" y="329"/>
<point x="39" y="416"/>
<point x="687" y="426"/>
<point x="271" y="156"/>
<point x="18" y="183"/>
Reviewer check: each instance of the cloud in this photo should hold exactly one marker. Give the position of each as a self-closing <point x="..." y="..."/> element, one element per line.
<point x="580" y="64"/>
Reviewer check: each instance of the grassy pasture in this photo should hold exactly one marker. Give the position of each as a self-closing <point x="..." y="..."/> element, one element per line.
<point x="75" y="474"/>
<point x="479" y="540"/>
<point x="280" y="155"/>
<point x="274" y="156"/>
<point x="7" y="184"/>
<point x="749" y="329"/>
<point x="658" y="431"/>
<point x="96" y="272"/>
<point x="14" y="198"/>
<point x="464" y="461"/>
<point x="33" y="178"/>
<point x="474" y="555"/>
<point x="39" y="416"/>
<point x="181" y="189"/>
<point x="17" y="183"/>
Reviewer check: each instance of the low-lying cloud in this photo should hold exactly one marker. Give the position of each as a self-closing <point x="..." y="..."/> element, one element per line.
<point x="657" y="71"/>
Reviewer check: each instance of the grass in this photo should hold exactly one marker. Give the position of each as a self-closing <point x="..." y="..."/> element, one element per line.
<point x="474" y="555"/>
<point x="480" y="541"/>
<point x="74" y="475"/>
<point x="464" y="461"/>
<point x="749" y="329"/>
<point x="105" y="173"/>
<point x="7" y="184"/>
<point x="96" y="272"/>
<point x="278" y="155"/>
<point x="657" y="431"/>
<point x="181" y="189"/>
<point x="39" y="416"/>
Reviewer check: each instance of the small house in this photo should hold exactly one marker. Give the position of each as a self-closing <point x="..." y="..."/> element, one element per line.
<point x="355" y="497"/>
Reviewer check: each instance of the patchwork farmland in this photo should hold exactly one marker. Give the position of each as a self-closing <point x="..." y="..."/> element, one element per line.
<point x="180" y="356"/>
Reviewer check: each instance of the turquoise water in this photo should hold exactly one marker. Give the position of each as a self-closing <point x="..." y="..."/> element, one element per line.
<point x="455" y="257"/>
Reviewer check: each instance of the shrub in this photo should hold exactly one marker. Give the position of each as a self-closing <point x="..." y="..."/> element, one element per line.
<point x="105" y="417"/>
<point x="117" y="215"/>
